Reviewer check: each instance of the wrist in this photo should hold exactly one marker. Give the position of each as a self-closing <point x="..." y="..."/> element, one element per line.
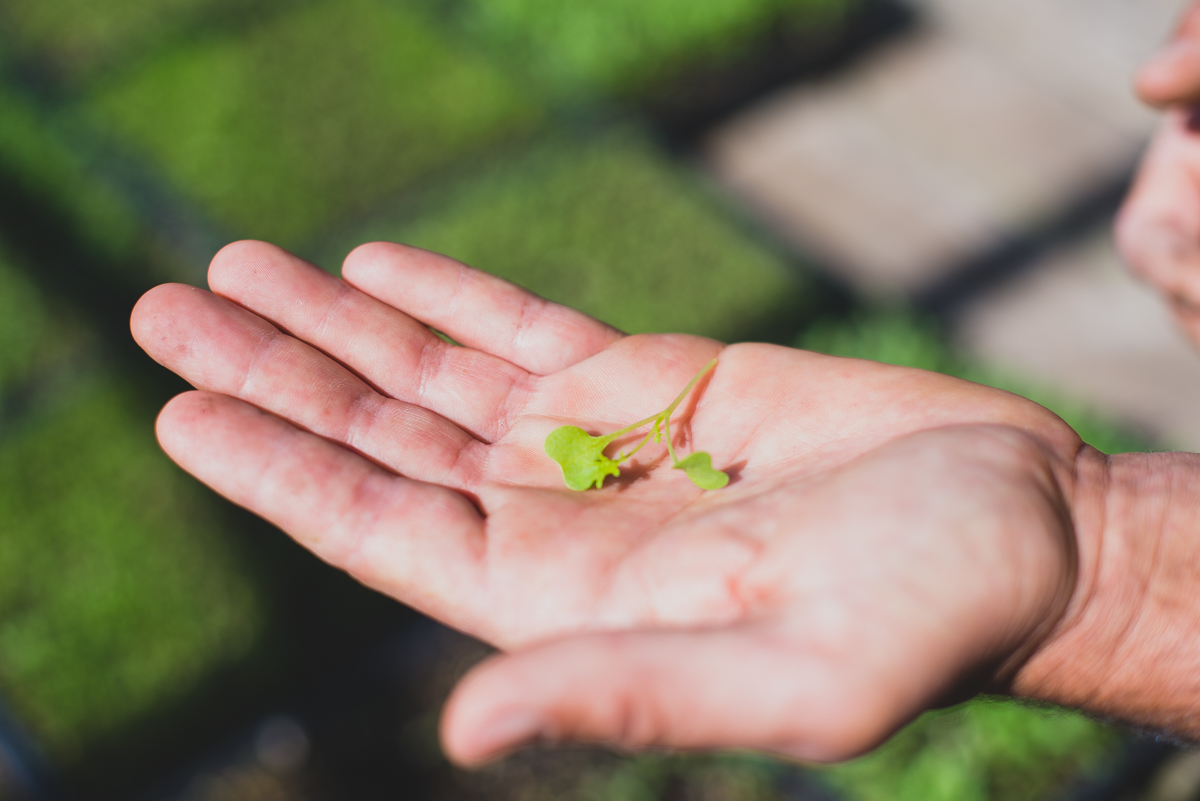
<point x="1128" y="645"/>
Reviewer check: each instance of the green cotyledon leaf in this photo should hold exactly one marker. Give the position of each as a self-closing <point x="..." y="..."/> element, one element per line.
<point x="584" y="465"/>
<point x="581" y="457"/>
<point x="699" y="469"/>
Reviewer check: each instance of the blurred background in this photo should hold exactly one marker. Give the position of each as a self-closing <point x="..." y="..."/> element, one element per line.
<point x="928" y="182"/>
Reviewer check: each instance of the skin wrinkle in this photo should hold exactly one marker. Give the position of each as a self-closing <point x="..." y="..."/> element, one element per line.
<point x="463" y="278"/>
<point x="342" y="294"/>
<point x="734" y="581"/>
<point x="1101" y="543"/>
<point x="429" y="367"/>
<point x="463" y="479"/>
<point x="1112" y="662"/>
<point x="622" y="710"/>
<point x="518" y="337"/>
<point x="265" y="342"/>
<point x="353" y="431"/>
<point x="1103" y="668"/>
<point x="614" y="569"/>
<point x="364" y="533"/>
<point x="522" y="386"/>
<point x="729" y="582"/>
<point x="1053" y="498"/>
<point x="638" y="723"/>
<point x="1073" y="618"/>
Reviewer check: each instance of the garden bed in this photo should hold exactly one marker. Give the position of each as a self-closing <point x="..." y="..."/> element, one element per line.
<point x="610" y="228"/>
<point x="280" y="129"/>
<point x="120" y="597"/>
<point x="117" y="593"/>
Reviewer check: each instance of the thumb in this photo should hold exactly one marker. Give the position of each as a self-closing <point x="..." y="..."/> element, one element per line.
<point x="1173" y="76"/>
<point x="739" y="688"/>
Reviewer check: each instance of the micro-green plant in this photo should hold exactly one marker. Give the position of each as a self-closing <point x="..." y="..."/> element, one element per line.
<point x="584" y="464"/>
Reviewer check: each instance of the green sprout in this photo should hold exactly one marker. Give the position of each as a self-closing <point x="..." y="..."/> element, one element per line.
<point x="584" y="464"/>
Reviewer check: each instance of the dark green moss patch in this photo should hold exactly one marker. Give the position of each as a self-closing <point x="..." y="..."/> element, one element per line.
<point x="116" y="593"/>
<point x="611" y="229"/>
<point x="620" y="45"/>
<point x="296" y="122"/>
<point x="986" y="750"/>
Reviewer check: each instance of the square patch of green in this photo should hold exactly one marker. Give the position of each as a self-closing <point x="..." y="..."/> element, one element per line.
<point x="286" y="126"/>
<point x="612" y="229"/>
<point x="117" y="592"/>
<point x="620" y="44"/>
<point x="985" y="750"/>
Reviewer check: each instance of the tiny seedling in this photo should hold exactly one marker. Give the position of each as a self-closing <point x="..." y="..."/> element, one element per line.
<point x="584" y="464"/>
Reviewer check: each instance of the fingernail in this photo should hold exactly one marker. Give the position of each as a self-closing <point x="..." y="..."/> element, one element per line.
<point x="509" y="730"/>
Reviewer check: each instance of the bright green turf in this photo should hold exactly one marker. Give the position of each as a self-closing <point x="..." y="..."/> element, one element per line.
<point x="611" y="229"/>
<point x="290" y="124"/>
<point x="986" y="750"/>
<point x="116" y="592"/>
<point x="621" y="43"/>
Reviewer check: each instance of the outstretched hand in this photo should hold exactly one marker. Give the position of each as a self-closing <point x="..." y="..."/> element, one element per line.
<point x="891" y="538"/>
<point x="1159" y="227"/>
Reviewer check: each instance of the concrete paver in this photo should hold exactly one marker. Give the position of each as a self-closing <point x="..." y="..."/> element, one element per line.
<point x="1084" y="50"/>
<point x="992" y="117"/>
<point x="1078" y="322"/>
<point x="1177" y="780"/>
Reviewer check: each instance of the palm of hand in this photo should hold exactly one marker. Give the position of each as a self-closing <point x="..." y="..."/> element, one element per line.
<point x="427" y="480"/>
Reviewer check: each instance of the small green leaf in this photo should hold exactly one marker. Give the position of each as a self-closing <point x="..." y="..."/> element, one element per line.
<point x="584" y="465"/>
<point x="581" y="457"/>
<point x="699" y="469"/>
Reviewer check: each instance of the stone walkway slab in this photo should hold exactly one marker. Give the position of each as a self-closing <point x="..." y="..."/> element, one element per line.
<point x="1085" y="51"/>
<point x="992" y="118"/>
<point x="1078" y="322"/>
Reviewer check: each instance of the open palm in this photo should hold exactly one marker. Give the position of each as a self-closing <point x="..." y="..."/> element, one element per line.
<point x="890" y="536"/>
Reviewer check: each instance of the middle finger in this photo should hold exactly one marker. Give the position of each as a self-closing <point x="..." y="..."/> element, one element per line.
<point x="386" y="347"/>
<point x="220" y="347"/>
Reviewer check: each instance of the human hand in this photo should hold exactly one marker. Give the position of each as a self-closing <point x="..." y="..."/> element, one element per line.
<point x="1158" y="230"/>
<point x="1172" y="77"/>
<point x="892" y="538"/>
